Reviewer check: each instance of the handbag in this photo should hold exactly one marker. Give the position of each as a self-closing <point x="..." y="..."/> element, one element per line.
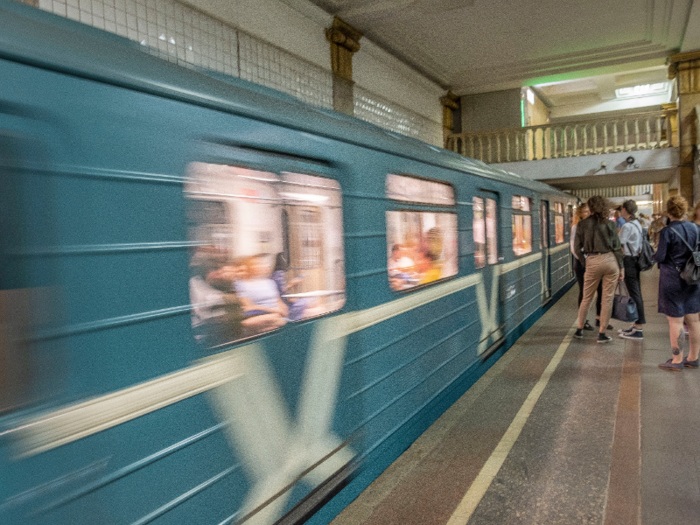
<point x="624" y="307"/>
<point x="690" y="272"/>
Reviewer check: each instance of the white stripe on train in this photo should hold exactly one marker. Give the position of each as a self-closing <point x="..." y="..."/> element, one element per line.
<point x="275" y="449"/>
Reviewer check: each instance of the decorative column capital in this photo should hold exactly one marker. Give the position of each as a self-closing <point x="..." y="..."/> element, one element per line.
<point x="685" y="67"/>
<point x="343" y="34"/>
<point x="450" y="100"/>
<point x="345" y="42"/>
<point x="450" y="104"/>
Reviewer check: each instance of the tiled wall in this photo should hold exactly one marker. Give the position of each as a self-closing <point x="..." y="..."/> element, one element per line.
<point x="388" y="115"/>
<point x="188" y="37"/>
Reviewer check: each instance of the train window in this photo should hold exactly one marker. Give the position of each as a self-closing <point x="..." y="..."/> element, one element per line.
<point x="402" y="188"/>
<point x="558" y="223"/>
<point x="268" y="249"/>
<point x="544" y="225"/>
<point x="522" y="225"/>
<point x="421" y="244"/>
<point x="479" y="233"/>
<point x="491" y="231"/>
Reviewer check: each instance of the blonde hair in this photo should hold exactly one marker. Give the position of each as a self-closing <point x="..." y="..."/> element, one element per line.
<point x="676" y="206"/>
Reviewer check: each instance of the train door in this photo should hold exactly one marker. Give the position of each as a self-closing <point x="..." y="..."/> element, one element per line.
<point x="487" y="259"/>
<point x="567" y="222"/>
<point x="545" y="270"/>
<point x="305" y="246"/>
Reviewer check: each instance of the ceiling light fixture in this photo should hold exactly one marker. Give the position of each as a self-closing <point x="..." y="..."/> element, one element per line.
<point x="644" y="90"/>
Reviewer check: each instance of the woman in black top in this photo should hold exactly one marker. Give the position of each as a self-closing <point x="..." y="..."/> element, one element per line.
<point x="598" y="245"/>
<point x="678" y="300"/>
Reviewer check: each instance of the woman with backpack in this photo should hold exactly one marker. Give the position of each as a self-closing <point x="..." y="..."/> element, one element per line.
<point x="631" y="236"/>
<point x="678" y="300"/>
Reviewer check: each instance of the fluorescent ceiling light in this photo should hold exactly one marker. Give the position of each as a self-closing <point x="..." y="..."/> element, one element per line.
<point x="644" y="90"/>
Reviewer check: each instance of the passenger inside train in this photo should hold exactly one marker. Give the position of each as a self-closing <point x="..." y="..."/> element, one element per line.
<point x="243" y="222"/>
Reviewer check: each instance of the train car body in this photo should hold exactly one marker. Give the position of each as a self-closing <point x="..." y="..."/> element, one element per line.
<point x="137" y="388"/>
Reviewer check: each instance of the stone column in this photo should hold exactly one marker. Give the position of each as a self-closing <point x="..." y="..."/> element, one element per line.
<point x="685" y="68"/>
<point x="671" y="110"/>
<point x="345" y="42"/>
<point x="450" y="104"/>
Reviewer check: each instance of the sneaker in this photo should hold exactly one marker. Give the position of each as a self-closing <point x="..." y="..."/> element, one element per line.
<point x="633" y="334"/>
<point x="626" y="330"/>
<point x="597" y="323"/>
<point x="671" y="366"/>
<point x="691" y="364"/>
<point x="604" y="338"/>
<point x="587" y="326"/>
<point x="578" y="333"/>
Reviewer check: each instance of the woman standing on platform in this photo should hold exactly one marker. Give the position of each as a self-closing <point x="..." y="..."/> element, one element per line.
<point x="597" y="243"/>
<point x="631" y="235"/>
<point x="678" y="300"/>
<point x="579" y="266"/>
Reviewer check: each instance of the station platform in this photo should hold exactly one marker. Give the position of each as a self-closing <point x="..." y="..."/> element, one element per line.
<point x="558" y="431"/>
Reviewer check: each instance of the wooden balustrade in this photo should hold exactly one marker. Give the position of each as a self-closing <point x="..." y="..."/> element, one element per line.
<point x="592" y="137"/>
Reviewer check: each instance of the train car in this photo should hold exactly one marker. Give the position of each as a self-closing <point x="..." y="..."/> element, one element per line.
<point x="220" y="305"/>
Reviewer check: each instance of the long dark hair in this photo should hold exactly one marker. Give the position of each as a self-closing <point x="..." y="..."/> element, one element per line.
<point x="599" y="208"/>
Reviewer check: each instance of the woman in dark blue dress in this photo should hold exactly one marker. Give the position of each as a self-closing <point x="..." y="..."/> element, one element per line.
<point x="678" y="300"/>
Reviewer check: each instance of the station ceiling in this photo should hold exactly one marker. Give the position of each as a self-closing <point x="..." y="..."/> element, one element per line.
<point x="476" y="46"/>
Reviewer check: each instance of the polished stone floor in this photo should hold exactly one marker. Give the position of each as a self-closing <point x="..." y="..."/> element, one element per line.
<point x="559" y="431"/>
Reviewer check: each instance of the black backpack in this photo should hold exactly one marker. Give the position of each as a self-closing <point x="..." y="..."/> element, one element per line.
<point x="646" y="256"/>
<point x="690" y="272"/>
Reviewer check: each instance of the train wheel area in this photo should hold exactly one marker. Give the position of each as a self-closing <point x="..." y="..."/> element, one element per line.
<point x="559" y="430"/>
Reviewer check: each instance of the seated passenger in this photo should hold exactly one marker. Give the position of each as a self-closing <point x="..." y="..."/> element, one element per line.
<point x="296" y="306"/>
<point x="431" y="257"/>
<point x="259" y="295"/>
<point x="217" y="316"/>
<point x="401" y="269"/>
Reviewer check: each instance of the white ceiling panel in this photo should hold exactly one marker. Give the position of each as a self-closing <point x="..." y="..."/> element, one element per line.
<point x="473" y="46"/>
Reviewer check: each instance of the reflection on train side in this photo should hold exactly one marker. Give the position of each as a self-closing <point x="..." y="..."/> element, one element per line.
<point x="269" y="250"/>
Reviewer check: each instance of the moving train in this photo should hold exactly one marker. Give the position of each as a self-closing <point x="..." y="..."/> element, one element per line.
<point x="220" y="305"/>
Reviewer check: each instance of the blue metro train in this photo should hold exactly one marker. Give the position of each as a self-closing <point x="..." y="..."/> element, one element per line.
<point x="221" y="305"/>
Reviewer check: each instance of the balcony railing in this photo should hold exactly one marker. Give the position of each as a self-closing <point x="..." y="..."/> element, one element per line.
<point x="641" y="131"/>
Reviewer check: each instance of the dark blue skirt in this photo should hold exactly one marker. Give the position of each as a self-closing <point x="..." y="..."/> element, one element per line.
<point x="676" y="297"/>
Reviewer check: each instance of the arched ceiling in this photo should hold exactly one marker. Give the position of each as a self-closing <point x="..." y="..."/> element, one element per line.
<point x="474" y="46"/>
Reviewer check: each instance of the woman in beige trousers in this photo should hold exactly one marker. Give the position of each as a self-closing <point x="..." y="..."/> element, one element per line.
<point x="597" y="244"/>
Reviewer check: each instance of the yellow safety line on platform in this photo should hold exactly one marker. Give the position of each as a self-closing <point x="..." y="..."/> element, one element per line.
<point x="488" y="472"/>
